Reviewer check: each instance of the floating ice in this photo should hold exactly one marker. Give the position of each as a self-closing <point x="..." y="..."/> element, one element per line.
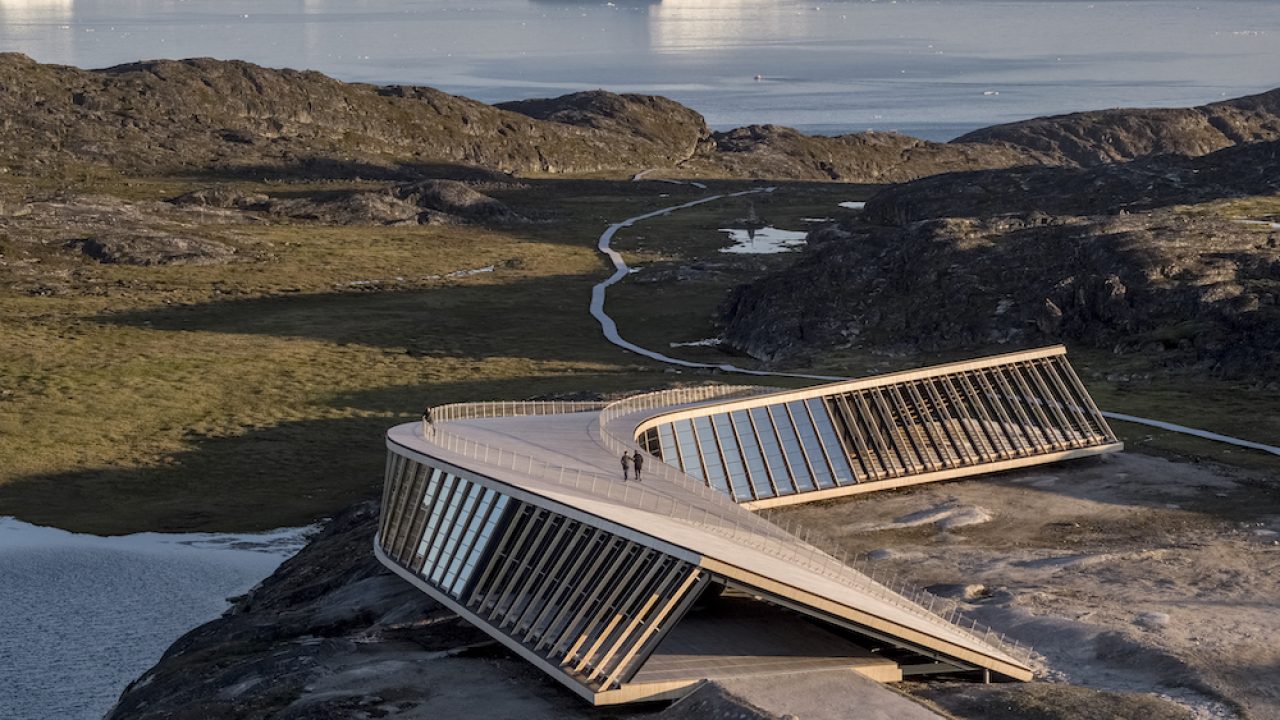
<point x="853" y="205"/>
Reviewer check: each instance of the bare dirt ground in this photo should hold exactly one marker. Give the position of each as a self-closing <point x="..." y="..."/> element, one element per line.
<point x="1129" y="573"/>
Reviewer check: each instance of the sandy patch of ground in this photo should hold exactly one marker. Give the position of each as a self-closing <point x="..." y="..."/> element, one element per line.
<point x="1129" y="573"/>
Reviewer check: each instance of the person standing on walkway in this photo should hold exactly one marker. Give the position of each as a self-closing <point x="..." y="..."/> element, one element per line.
<point x="427" y="420"/>
<point x="626" y="465"/>
<point x="638" y="460"/>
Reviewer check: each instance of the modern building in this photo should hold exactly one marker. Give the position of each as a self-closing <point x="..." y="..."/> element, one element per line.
<point x="515" y="515"/>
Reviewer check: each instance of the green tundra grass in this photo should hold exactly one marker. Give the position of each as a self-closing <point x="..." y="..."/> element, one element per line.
<point x="254" y="394"/>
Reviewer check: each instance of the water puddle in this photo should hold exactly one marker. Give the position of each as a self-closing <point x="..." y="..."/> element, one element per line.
<point x="764" y="241"/>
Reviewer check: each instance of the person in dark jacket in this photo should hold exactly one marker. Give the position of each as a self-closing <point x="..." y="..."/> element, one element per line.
<point x="626" y="465"/>
<point x="638" y="460"/>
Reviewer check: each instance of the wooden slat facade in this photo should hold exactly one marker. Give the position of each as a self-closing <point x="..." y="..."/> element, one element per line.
<point x="928" y="422"/>
<point x="580" y="597"/>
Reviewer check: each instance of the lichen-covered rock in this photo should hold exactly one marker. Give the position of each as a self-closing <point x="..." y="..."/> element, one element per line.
<point x="1187" y="292"/>
<point x="150" y="249"/>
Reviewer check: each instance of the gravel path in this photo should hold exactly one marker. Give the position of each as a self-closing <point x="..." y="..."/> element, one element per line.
<point x="610" y="327"/>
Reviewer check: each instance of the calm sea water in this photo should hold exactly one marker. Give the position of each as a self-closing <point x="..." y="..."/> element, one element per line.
<point x="82" y="616"/>
<point x="928" y="67"/>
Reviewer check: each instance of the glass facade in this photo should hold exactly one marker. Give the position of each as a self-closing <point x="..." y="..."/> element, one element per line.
<point x="591" y="602"/>
<point x="925" y="424"/>
<point x="763" y="452"/>
<point x="439" y="525"/>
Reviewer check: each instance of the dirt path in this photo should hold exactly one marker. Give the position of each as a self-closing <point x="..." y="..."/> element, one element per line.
<point x="610" y="327"/>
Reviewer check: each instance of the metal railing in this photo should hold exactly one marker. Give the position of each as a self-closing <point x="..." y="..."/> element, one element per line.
<point x="511" y="408"/>
<point x="857" y="571"/>
<point x="716" y="512"/>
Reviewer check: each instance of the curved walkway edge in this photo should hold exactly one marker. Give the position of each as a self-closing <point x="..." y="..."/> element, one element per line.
<point x="610" y="328"/>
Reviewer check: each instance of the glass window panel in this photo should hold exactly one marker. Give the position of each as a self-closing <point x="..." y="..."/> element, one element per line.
<point x="442" y="524"/>
<point x="433" y="486"/>
<point x="791" y="447"/>
<point x="827" y="432"/>
<point x="711" y="462"/>
<point x="812" y="445"/>
<point x="733" y="465"/>
<point x="446" y="486"/>
<point x="667" y="445"/>
<point x="687" y="446"/>
<point x="481" y="545"/>
<point x="456" y="525"/>
<point x="773" y="451"/>
<point x="752" y="453"/>
<point x="465" y="545"/>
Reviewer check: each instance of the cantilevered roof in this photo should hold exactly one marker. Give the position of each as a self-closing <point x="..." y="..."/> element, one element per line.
<point x="935" y="423"/>
<point x="516" y="515"/>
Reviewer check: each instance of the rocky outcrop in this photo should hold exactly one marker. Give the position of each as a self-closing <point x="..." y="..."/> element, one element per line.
<point x="1241" y="171"/>
<point x="237" y="118"/>
<point x="872" y="157"/>
<point x="231" y="118"/>
<point x="333" y="634"/>
<point x="651" y="118"/>
<point x="430" y="202"/>
<point x="1184" y="291"/>
<point x="1109" y="136"/>
<point x="141" y="248"/>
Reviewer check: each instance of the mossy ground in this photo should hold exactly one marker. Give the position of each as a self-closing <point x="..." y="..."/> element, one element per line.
<point x="254" y="394"/>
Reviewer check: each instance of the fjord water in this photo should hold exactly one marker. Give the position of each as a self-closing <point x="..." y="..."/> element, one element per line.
<point x="933" y="68"/>
<point x="81" y="616"/>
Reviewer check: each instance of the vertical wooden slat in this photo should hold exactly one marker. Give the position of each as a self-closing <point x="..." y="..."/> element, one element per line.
<point x="404" y="508"/>
<point x="894" y="421"/>
<point x="893" y="463"/>
<point x="1086" y="398"/>
<point x="419" y="553"/>
<point x="966" y="453"/>
<point x="526" y="520"/>
<point x="612" y="546"/>
<point x="1022" y="443"/>
<point x="679" y="603"/>
<point x="1013" y="374"/>
<point x="1049" y="400"/>
<point x="557" y="599"/>
<point x="430" y="535"/>
<point x="640" y="608"/>
<point x="542" y="520"/>
<point x="968" y="415"/>
<point x="849" y="424"/>
<point x="1088" y="433"/>
<point x="544" y="557"/>
<point x="620" y="583"/>
<point x="627" y="597"/>
<point x="493" y="566"/>
<point x="393" y="507"/>
<point x="541" y="595"/>
<point x="927" y="420"/>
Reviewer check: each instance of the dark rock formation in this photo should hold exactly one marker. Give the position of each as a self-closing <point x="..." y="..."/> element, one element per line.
<point x="1145" y="184"/>
<point x="1184" y="290"/>
<point x="1107" y="136"/>
<point x="237" y="118"/>
<point x="232" y="118"/>
<point x="430" y="202"/>
<point x="873" y="157"/>
<point x="651" y="118"/>
<point x="146" y="249"/>
<point x="333" y="634"/>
